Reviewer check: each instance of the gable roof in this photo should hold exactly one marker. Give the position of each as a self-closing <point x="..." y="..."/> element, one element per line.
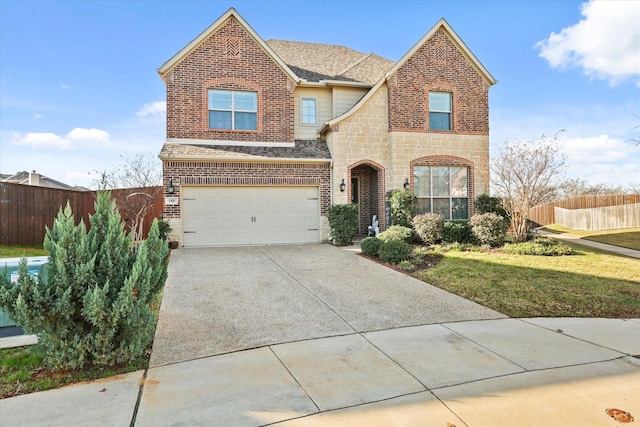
<point x="22" y="178"/>
<point x="315" y="62"/>
<point x="457" y="41"/>
<point x="231" y="13"/>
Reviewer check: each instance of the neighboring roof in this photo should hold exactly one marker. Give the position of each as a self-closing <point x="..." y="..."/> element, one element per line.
<point x="195" y="43"/>
<point x="442" y="23"/>
<point x="315" y="62"/>
<point x="308" y="150"/>
<point x="22" y="177"/>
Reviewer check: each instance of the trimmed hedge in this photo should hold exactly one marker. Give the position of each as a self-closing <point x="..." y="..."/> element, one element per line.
<point x="428" y="227"/>
<point x="370" y="246"/>
<point x="457" y="232"/>
<point x="343" y="220"/>
<point x="489" y="228"/>
<point x="394" y="251"/>
<point x="397" y="232"/>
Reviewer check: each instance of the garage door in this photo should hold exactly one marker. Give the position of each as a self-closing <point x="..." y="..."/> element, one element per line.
<point x="227" y="216"/>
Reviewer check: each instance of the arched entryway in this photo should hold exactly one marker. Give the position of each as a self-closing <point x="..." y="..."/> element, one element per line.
<point x="366" y="189"/>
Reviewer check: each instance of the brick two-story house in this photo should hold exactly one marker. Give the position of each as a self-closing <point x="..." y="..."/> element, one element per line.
<point x="264" y="136"/>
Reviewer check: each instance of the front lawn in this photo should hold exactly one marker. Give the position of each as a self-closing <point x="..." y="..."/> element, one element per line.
<point x="586" y="284"/>
<point x="22" y="371"/>
<point x="20" y="251"/>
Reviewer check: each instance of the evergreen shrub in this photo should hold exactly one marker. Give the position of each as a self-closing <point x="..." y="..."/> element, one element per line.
<point x="95" y="306"/>
<point x="397" y="232"/>
<point x="429" y="227"/>
<point x="343" y="220"/>
<point x="394" y="251"/>
<point x="370" y="246"/>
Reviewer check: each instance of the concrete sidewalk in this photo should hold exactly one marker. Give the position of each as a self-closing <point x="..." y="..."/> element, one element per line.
<point x="316" y="336"/>
<point x="503" y="372"/>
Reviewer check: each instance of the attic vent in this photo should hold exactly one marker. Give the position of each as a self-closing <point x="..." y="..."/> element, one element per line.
<point x="439" y="53"/>
<point x="233" y="47"/>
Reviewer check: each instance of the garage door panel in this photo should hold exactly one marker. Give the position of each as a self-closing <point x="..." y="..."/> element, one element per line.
<point x="226" y="216"/>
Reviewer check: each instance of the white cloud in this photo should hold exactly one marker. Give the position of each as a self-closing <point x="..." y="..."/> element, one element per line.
<point x="37" y="116"/>
<point x="89" y="135"/>
<point x="51" y="140"/>
<point x="152" y="108"/>
<point x="65" y="86"/>
<point x="605" y="44"/>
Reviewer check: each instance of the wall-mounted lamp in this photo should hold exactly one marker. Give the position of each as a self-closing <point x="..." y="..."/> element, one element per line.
<point x="406" y="183"/>
<point x="342" y="186"/>
<point x="171" y="188"/>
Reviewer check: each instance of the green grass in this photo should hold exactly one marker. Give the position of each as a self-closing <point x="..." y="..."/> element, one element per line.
<point x="626" y="237"/>
<point x="20" y="251"/>
<point x="22" y="371"/>
<point x="587" y="284"/>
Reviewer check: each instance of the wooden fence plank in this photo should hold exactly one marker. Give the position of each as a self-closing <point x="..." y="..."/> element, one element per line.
<point x="26" y="210"/>
<point x="544" y="214"/>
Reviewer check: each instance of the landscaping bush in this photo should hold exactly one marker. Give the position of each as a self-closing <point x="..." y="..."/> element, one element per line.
<point x="370" y="246"/>
<point x="343" y="220"/>
<point x="485" y="204"/>
<point x="394" y="251"/>
<point x="428" y="227"/>
<point x="457" y="232"/>
<point x="163" y="229"/>
<point x="95" y="307"/>
<point x="397" y="232"/>
<point x="538" y="246"/>
<point x="489" y="229"/>
<point x="401" y="205"/>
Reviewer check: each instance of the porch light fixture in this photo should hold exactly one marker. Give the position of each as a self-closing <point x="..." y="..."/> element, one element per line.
<point x="342" y="186"/>
<point x="171" y="188"/>
<point x="406" y="183"/>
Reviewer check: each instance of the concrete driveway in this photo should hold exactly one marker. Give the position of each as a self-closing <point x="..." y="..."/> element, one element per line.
<point x="221" y="300"/>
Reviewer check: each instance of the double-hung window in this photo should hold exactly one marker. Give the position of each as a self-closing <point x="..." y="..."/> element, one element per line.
<point x="308" y="109"/>
<point x="233" y="110"/>
<point x="439" y="111"/>
<point x="443" y="190"/>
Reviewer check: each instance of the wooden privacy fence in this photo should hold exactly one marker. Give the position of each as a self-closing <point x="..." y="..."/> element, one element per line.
<point x="545" y="214"/>
<point x="26" y="210"/>
<point x="607" y="218"/>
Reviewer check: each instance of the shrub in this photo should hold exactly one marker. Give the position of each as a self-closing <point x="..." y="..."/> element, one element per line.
<point x="538" y="246"/>
<point x="397" y="232"/>
<point x="95" y="307"/>
<point x="394" y="251"/>
<point x="163" y="229"/>
<point x="401" y="205"/>
<point x="343" y="220"/>
<point x="370" y="246"/>
<point x="405" y="265"/>
<point x="485" y="204"/>
<point x="457" y="232"/>
<point x="428" y="227"/>
<point x="489" y="229"/>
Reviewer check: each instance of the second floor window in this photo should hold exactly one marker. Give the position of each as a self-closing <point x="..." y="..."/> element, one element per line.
<point x="308" y="111"/>
<point x="439" y="111"/>
<point x="233" y="110"/>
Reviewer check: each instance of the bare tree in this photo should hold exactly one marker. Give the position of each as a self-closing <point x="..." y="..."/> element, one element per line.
<point x="525" y="174"/>
<point x="139" y="170"/>
<point x="633" y="188"/>
<point x="580" y="187"/>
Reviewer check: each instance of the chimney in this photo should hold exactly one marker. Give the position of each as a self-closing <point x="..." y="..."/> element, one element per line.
<point x="34" y="178"/>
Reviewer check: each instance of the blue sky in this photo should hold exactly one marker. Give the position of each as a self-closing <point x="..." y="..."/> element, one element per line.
<point x="79" y="87"/>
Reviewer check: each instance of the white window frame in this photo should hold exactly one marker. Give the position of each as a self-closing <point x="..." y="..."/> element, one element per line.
<point x="304" y="117"/>
<point x="431" y="197"/>
<point x="449" y="112"/>
<point x="232" y="110"/>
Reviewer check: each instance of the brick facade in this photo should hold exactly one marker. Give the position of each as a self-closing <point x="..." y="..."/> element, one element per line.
<point x="438" y="66"/>
<point x="229" y="59"/>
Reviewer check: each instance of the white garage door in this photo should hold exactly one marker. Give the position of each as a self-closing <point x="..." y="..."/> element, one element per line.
<point x="227" y="216"/>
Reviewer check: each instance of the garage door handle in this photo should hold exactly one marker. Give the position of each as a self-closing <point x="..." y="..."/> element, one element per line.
<point x="187" y="198"/>
<point x="189" y="232"/>
<point x="312" y="229"/>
